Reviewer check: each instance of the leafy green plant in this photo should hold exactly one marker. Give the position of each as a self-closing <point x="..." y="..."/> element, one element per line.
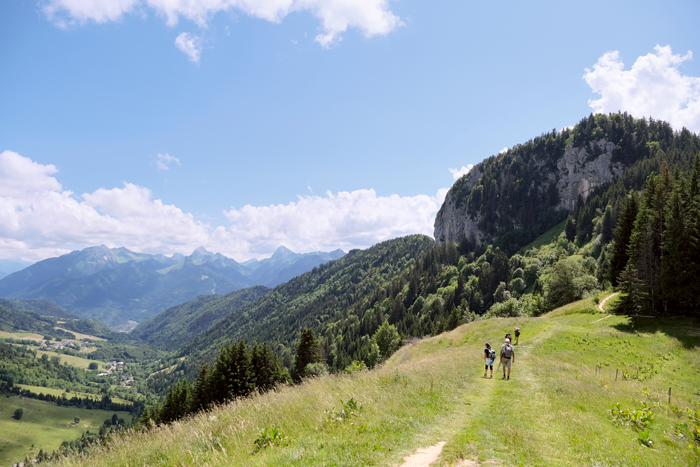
<point x="270" y="437"/>
<point x="356" y="365"/>
<point x="644" y="439"/>
<point x="348" y="411"/>
<point x="639" y="418"/>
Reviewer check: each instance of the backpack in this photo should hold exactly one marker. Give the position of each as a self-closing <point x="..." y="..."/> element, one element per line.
<point x="492" y="354"/>
<point x="507" y="351"/>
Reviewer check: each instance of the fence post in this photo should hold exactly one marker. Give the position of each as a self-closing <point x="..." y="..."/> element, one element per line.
<point x="669" y="396"/>
<point x="616" y="370"/>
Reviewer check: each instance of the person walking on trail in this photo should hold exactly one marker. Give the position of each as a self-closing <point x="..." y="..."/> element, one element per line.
<point x="489" y="357"/>
<point x="517" y="335"/>
<point x="507" y="357"/>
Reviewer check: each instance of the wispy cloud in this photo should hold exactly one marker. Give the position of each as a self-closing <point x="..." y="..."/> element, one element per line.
<point x="653" y="87"/>
<point x="190" y="45"/>
<point x="370" y="17"/>
<point x="163" y="161"/>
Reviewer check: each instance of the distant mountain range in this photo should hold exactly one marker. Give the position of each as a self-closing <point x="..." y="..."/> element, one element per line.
<point x="119" y="287"/>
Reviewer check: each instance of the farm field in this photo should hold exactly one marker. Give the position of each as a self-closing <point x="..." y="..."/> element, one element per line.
<point x="22" y="335"/>
<point x="43" y="424"/>
<point x="59" y="392"/>
<point x="78" y="362"/>
<point x="81" y="336"/>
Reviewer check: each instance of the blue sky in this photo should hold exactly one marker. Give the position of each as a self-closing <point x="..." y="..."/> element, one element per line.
<point x="262" y="111"/>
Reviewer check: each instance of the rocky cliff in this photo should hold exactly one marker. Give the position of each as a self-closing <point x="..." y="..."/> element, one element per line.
<point x="512" y="192"/>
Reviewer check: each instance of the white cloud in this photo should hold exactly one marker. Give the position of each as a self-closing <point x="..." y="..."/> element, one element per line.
<point x="503" y="151"/>
<point x="39" y="219"/>
<point x="163" y="161"/>
<point x="653" y="87"/>
<point x="371" y="17"/>
<point x="458" y="173"/>
<point x="190" y="45"/>
<point x="355" y="219"/>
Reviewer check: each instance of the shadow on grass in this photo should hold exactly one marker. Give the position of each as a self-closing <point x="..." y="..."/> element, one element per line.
<point x="684" y="330"/>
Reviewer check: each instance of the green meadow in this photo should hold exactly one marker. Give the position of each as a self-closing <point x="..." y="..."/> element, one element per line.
<point x="555" y="410"/>
<point x="43" y="425"/>
<point x="78" y="362"/>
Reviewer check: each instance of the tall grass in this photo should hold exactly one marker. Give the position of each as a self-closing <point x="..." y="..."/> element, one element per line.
<point x="553" y="411"/>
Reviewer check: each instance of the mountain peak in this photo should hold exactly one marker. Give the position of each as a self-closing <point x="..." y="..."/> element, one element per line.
<point x="200" y="251"/>
<point x="282" y="252"/>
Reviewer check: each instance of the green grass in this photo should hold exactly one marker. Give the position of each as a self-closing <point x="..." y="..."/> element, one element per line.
<point x="78" y="362"/>
<point x="45" y="425"/>
<point x="554" y="410"/>
<point x="546" y="238"/>
<point x="59" y="392"/>
<point x="22" y="335"/>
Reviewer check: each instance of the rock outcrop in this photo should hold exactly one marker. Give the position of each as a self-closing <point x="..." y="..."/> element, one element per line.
<point x="578" y="171"/>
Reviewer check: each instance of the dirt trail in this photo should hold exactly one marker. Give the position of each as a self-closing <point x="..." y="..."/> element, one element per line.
<point x="602" y="302"/>
<point x="424" y="457"/>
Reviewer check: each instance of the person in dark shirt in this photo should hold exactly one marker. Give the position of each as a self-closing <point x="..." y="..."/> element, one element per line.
<point x="489" y="357"/>
<point x="517" y="335"/>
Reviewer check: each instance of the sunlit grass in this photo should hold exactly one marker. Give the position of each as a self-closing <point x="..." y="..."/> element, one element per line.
<point x="553" y="411"/>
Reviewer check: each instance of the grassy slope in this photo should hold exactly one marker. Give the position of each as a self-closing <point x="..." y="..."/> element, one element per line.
<point x="552" y="412"/>
<point x="546" y="238"/>
<point x="44" y="424"/>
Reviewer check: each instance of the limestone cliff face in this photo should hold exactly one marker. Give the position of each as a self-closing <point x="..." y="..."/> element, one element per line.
<point x="578" y="171"/>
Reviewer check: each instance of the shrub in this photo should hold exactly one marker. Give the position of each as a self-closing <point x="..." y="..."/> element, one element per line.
<point x="511" y="308"/>
<point x="568" y="282"/>
<point x="315" y="369"/>
<point x="388" y="340"/>
<point x="18" y="414"/>
<point x="356" y="365"/>
<point x="93" y="366"/>
<point x="517" y="285"/>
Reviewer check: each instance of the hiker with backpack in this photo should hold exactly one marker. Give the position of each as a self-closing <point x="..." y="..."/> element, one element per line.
<point x="489" y="357"/>
<point x="517" y="335"/>
<point x="507" y="357"/>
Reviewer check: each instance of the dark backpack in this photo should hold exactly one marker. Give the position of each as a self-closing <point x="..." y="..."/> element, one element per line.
<point x="507" y="351"/>
<point x="492" y="354"/>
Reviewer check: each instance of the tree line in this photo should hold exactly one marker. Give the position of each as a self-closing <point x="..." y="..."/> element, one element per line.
<point x="655" y="257"/>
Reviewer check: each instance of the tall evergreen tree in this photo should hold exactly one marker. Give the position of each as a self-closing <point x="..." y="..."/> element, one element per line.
<point x="570" y="229"/>
<point x="201" y="397"/>
<point x="308" y="351"/>
<point x="621" y="234"/>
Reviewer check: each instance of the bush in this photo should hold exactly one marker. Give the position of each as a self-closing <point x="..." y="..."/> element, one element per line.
<point x="511" y="308"/>
<point x="356" y="365"/>
<point x="517" y="285"/>
<point x="388" y="340"/>
<point x="502" y="294"/>
<point x="18" y="414"/>
<point x="568" y="282"/>
<point x="315" y="369"/>
<point x="93" y="366"/>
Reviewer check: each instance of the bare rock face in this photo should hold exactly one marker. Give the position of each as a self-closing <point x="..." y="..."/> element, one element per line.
<point x="578" y="171"/>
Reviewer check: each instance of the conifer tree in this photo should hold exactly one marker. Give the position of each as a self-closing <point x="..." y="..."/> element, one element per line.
<point x="266" y="367"/>
<point x="622" y="233"/>
<point x="201" y="397"/>
<point x="308" y="351"/>
<point x="570" y="229"/>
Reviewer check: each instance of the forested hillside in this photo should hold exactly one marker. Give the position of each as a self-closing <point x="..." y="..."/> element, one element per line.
<point x="325" y="295"/>
<point x="510" y="199"/>
<point x="176" y="326"/>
